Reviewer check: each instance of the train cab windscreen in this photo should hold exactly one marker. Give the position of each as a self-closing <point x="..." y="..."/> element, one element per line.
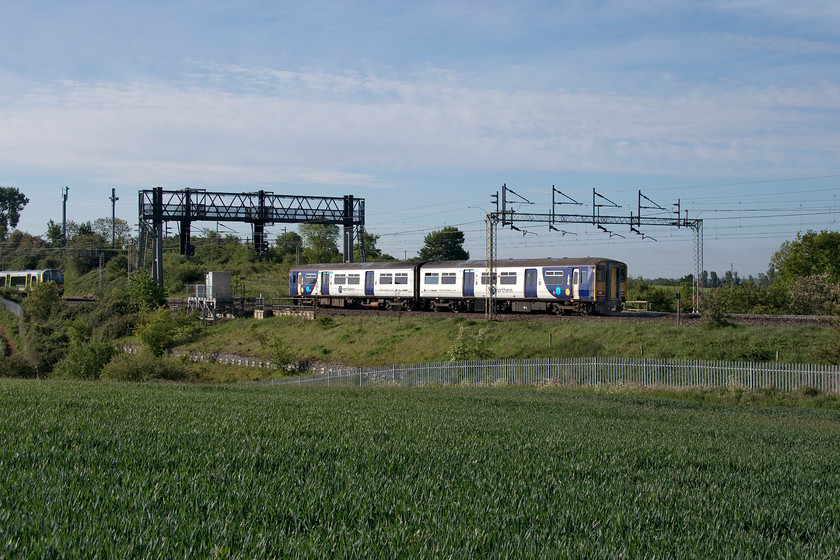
<point x="54" y="276"/>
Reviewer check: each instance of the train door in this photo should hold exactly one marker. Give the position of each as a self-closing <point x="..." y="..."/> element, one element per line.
<point x="293" y="285"/>
<point x="576" y="284"/>
<point x="530" y="282"/>
<point x="307" y="281"/>
<point x="612" y="285"/>
<point x="369" y="283"/>
<point x="325" y="283"/>
<point x="469" y="283"/>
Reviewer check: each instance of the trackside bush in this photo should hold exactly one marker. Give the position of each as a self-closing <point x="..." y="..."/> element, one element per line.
<point x="84" y="360"/>
<point x="160" y="329"/>
<point x="16" y="366"/>
<point x="468" y="346"/>
<point x="146" y="367"/>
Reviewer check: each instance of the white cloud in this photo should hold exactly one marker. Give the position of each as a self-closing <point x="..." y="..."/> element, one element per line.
<point x="789" y="45"/>
<point x="256" y="125"/>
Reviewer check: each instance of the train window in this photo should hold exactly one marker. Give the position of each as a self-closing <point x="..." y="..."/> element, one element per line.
<point x="600" y="273"/>
<point x="553" y="276"/>
<point x="430" y="278"/>
<point x="18" y="281"/>
<point x="340" y="279"/>
<point x="386" y="279"/>
<point x="622" y="274"/>
<point x="311" y="278"/>
<point x="401" y="278"/>
<point x="353" y="279"/>
<point x="447" y="278"/>
<point x="294" y="277"/>
<point x="507" y="278"/>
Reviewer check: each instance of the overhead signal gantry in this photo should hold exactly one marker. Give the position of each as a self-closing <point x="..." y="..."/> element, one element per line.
<point x="260" y="209"/>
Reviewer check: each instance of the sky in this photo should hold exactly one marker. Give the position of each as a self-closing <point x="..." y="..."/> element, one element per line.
<point x="425" y="109"/>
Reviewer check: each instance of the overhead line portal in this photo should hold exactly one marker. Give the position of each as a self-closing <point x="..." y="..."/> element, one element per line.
<point x="258" y="208"/>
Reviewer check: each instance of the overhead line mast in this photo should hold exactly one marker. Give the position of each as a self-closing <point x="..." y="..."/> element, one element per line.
<point x="597" y="219"/>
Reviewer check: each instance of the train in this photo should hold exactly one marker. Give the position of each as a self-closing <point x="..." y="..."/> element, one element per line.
<point x="588" y="285"/>
<point x="25" y="280"/>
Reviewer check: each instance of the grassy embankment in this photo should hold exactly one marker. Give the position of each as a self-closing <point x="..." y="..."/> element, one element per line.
<point x="361" y="341"/>
<point x="167" y="470"/>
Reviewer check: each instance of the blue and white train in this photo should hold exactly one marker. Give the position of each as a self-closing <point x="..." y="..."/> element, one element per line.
<point x="588" y="285"/>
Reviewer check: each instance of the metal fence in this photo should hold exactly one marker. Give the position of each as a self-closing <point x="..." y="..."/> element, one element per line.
<point x="579" y="372"/>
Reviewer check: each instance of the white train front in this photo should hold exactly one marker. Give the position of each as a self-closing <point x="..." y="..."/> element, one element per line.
<point x="586" y="285"/>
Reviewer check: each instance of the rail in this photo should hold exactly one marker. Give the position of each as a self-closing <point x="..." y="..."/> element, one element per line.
<point x="637" y="305"/>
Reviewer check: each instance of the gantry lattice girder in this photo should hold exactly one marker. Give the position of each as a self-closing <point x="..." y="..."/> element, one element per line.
<point x="266" y="207"/>
<point x="258" y="208"/>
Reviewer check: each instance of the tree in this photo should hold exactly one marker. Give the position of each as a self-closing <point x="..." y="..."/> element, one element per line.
<point x="121" y="229"/>
<point x="82" y="253"/>
<point x="320" y="242"/>
<point x="160" y="329"/>
<point x="814" y="295"/>
<point x="144" y="293"/>
<point x="372" y="252"/>
<point x="43" y="303"/>
<point x="287" y="244"/>
<point x="446" y="244"/>
<point x="12" y="202"/>
<point x="810" y="253"/>
<point x="22" y="251"/>
<point x="45" y="340"/>
<point x="54" y="233"/>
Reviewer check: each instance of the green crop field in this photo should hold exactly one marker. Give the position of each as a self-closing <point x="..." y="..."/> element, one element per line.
<point x="108" y="470"/>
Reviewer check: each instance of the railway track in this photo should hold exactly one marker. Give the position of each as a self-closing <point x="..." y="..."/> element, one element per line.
<point x="645" y="317"/>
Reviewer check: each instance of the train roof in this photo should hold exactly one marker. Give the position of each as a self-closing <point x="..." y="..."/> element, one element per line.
<point x="502" y="263"/>
<point x="29" y="271"/>
<point x="359" y="266"/>
<point x="473" y="263"/>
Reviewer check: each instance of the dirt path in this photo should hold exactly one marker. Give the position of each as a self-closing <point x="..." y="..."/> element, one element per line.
<point x="11" y="347"/>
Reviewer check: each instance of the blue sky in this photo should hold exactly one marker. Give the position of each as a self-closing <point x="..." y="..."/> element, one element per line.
<point x="426" y="108"/>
